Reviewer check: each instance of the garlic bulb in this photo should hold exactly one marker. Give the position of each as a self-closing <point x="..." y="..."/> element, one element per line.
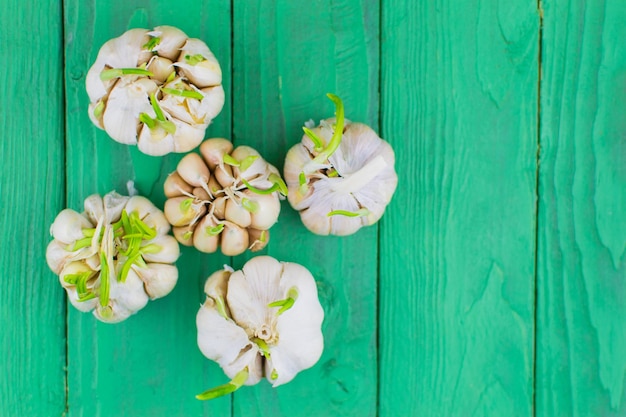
<point x="225" y="198"/>
<point x="341" y="176"/>
<point x="113" y="257"/>
<point x="263" y="321"/>
<point x="155" y="89"/>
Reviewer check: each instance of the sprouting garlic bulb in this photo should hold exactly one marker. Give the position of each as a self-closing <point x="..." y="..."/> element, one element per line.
<point x="341" y="176"/>
<point x="225" y="198"/>
<point x="156" y="89"/>
<point x="113" y="257"/>
<point x="263" y="321"/>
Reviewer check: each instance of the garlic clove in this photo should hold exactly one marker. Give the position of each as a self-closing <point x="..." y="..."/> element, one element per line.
<point x="148" y="213"/>
<point x="127" y="100"/>
<point x="130" y="294"/>
<point x="205" y="73"/>
<point x="98" y="89"/>
<point x="184" y="234"/>
<point x="234" y="239"/>
<point x="201" y="194"/>
<point x="267" y="209"/>
<point x="112" y="312"/>
<point x="291" y="355"/>
<point x="214" y="186"/>
<point x="190" y="104"/>
<point x="181" y="211"/>
<point x="213" y="151"/>
<point x="219" y="207"/>
<point x="92" y="261"/>
<point x="187" y="137"/>
<point x="161" y="249"/>
<point x="212" y="103"/>
<point x="68" y="226"/>
<point x="222" y="340"/>
<point x="296" y="158"/>
<point x="315" y="217"/>
<point x="206" y="235"/>
<point x="57" y="256"/>
<point x="251" y="289"/>
<point x="193" y="170"/>
<point x="237" y="214"/>
<point x="159" y="279"/>
<point x="128" y="49"/>
<point x="376" y="202"/>
<point x="95" y="111"/>
<point x="160" y="67"/>
<point x="73" y="268"/>
<point x="94" y="208"/>
<point x="224" y="175"/>
<point x="84" y="306"/>
<point x="301" y="341"/>
<point x="125" y="51"/>
<point x="113" y="204"/>
<point x="252" y="170"/>
<point x="216" y="287"/>
<point x="155" y="141"/>
<point x="158" y="141"/>
<point x="259" y="239"/>
<point x="171" y="40"/>
<point x="179" y="105"/>
<point x="175" y="186"/>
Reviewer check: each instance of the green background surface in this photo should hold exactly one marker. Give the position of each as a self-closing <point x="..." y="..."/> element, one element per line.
<point x="495" y="284"/>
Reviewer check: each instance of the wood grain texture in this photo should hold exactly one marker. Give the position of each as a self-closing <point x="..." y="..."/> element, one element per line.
<point x="581" y="330"/>
<point x="287" y="56"/>
<point x="430" y="313"/>
<point x="32" y="313"/>
<point x="150" y="363"/>
<point x="459" y="105"/>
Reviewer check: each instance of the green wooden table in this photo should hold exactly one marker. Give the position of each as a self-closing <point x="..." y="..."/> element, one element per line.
<point x="495" y="284"/>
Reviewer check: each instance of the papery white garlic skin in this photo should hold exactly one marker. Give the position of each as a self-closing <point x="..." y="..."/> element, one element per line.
<point x="146" y="90"/>
<point x="159" y="279"/>
<point x="123" y="52"/>
<point x="115" y="256"/>
<point x="359" y="177"/>
<point x="206" y="73"/>
<point x="68" y="226"/>
<point x="236" y="323"/>
<point x="126" y="101"/>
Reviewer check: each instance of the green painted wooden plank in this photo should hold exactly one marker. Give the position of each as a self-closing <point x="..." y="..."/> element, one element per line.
<point x="149" y="364"/>
<point x="32" y="313"/>
<point x="287" y="56"/>
<point x="581" y="332"/>
<point x="459" y="105"/>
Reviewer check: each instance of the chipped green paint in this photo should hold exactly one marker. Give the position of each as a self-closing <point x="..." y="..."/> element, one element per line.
<point x="493" y="285"/>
